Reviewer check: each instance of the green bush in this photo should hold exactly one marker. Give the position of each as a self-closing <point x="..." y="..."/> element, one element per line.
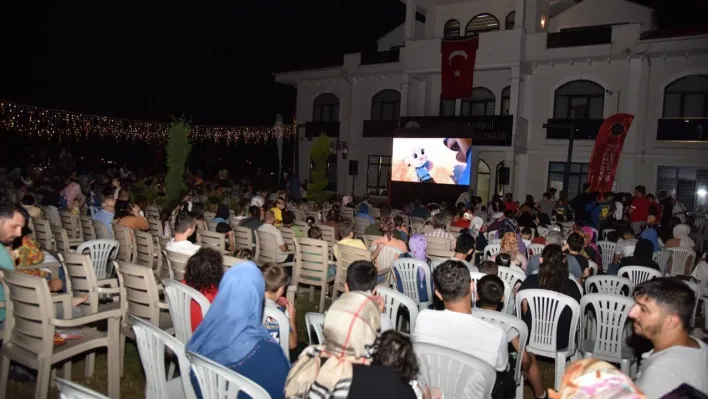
<point x="178" y="149"/>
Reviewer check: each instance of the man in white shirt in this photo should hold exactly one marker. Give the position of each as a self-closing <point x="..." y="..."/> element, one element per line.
<point x="269" y="227"/>
<point x="361" y="276"/>
<point x="184" y="227"/>
<point x="625" y="245"/>
<point x="455" y="327"/>
<point x="662" y="313"/>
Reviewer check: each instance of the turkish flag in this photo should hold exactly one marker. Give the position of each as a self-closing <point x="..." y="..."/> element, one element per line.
<point x="457" y="67"/>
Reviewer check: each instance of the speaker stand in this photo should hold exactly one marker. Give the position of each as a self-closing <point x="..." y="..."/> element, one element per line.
<point x="353" y="177"/>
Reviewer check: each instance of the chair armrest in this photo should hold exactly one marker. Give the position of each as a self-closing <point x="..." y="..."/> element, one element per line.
<point x="112" y="282"/>
<point x="108" y="290"/>
<point x="108" y="314"/>
<point x="61" y="297"/>
<point x="163" y="305"/>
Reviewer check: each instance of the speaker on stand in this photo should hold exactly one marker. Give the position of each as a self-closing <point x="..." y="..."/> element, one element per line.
<point x="353" y="172"/>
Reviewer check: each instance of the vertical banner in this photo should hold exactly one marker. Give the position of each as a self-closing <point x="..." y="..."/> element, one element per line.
<point x="606" y="152"/>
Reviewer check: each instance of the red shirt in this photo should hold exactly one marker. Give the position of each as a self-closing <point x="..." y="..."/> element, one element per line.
<point x="513" y="206"/>
<point x="196" y="310"/>
<point x="641" y="209"/>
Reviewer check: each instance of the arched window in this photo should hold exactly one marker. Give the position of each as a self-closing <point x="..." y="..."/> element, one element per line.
<point x="452" y="29"/>
<point x="481" y="103"/>
<point x="326" y="108"/>
<point x="506" y="100"/>
<point x="386" y="105"/>
<point x="687" y="97"/>
<point x="483" y="180"/>
<point x="482" y="23"/>
<point x="510" y="20"/>
<point x="579" y="99"/>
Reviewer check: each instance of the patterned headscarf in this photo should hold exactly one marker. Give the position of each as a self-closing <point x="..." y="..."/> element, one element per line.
<point x="594" y="379"/>
<point x="350" y="329"/>
<point x="509" y="245"/>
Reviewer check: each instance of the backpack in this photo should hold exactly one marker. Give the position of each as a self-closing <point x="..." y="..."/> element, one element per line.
<point x="606" y="211"/>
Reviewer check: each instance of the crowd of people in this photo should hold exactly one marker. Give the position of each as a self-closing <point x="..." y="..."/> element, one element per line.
<point x="363" y="355"/>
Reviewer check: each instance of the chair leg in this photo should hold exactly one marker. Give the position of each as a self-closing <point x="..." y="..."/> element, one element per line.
<point x="323" y="297"/>
<point x="625" y="366"/>
<point x="560" y="370"/>
<point x="4" y="375"/>
<point x="44" y="371"/>
<point x="520" y="389"/>
<point x="115" y="354"/>
<point x="122" y="353"/>
<point x="90" y="364"/>
<point x="312" y="293"/>
<point x="66" y="373"/>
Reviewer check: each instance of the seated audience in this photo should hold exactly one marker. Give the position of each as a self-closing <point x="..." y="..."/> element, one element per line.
<point x="625" y="246"/>
<point x="131" y="219"/>
<point x="662" y="313"/>
<point x="203" y="273"/>
<point x="552" y="238"/>
<point x="578" y="264"/>
<point x="464" y="247"/>
<point x="222" y="214"/>
<point x="185" y="226"/>
<point x="276" y="280"/>
<point x="361" y="276"/>
<point x="347" y="230"/>
<point x="418" y="246"/>
<point x="232" y="333"/>
<point x="439" y="225"/>
<point x="509" y="245"/>
<point x="29" y="203"/>
<point x="395" y="350"/>
<point x="388" y="239"/>
<point x="491" y="267"/>
<point x="400" y="228"/>
<point x="455" y="327"/>
<point x="106" y="214"/>
<point x="269" y="227"/>
<point x="341" y="366"/>
<point x="643" y="252"/>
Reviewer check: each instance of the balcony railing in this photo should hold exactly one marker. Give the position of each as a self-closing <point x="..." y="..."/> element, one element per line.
<point x="680" y="129"/>
<point x="379" y="128"/>
<point x="575" y="37"/>
<point x="585" y="129"/>
<point x="313" y="129"/>
<point x="381" y="57"/>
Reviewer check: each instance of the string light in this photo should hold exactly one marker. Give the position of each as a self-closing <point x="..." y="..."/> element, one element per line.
<point x="47" y="122"/>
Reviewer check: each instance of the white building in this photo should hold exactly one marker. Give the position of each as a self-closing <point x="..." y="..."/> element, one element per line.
<point x="537" y="63"/>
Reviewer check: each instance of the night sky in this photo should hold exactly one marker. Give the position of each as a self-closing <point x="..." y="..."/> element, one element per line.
<point x="208" y="60"/>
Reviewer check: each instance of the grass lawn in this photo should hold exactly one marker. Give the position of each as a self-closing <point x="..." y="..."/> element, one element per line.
<point x="133" y="381"/>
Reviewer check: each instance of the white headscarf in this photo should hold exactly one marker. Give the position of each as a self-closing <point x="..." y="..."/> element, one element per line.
<point x="682" y="232"/>
<point x="257" y="201"/>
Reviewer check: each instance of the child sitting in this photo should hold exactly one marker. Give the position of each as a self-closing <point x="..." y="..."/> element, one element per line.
<point x="395" y="350"/>
<point x="275" y="285"/>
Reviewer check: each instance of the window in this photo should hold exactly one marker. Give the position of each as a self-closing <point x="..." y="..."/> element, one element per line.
<point x="326" y="108"/>
<point x="579" y="99"/>
<point x="687" y="97"/>
<point x="482" y="23"/>
<point x="447" y="107"/>
<point x="510" y="20"/>
<point x="578" y="177"/>
<point x="378" y="173"/>
<point x="386" y="105"/>
<point x="481" y="103"/>
<point x="452" y="29"/>
<point x="506" y="100"/>
<point x="688" y="185"/>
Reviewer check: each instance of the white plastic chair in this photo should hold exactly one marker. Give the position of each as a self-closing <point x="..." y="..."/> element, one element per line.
<point x="456" y="374"/>
<point x="494" y="241"/>
<point x="605" y="232"/>
<point x="611" y="285"/>
<point x="407" y="270"/>
<point x="577" y="284"/>
<point x="152" y="344"/>
<point x="546" y="307"/>
<point x="219" y="382"/>
<point x="179" y="299"/>
<point x="662" y="259"/>
<point x="72" y="390"/>
<point x="101" y="252"/>
<point x="607" y="248"/>
<point x="697" y="296"/>
<point x="681" y="262"/>
<point x="283" y="327"/>
<point x="393" y="300"/>
<point x="314" y="321"/>
<point x="385" y="260"/>
<point x="534" y="249"/>
<point x="511" y="276"/>
<point x="503" y="320"/>
<point x="491" y="251"/>
<point x="638" y="274"/>
<point x="593" y="268"/>
<point x="611" y="313"/>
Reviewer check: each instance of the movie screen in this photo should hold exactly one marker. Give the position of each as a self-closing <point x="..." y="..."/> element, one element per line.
<point x="432" y="160"/>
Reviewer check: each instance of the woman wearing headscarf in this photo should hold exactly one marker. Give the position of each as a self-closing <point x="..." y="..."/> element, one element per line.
<point x="595" y="379"/>
<point x="418" y="250"/>
<point x="232" y="333"/>
<point x="510" y="245"/>
<point x="681" y="238"/>
<point x="591" y="250"/>
<point x="341" y="367"/>
<point x="651" y="233"/>
<point x="643" y="252"/>
<point x="364" y="212"/>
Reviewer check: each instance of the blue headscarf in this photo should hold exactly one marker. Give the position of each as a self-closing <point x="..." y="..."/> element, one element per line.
<point x="233" y="326"/>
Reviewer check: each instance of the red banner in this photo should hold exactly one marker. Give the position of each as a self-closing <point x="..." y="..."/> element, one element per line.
<point x="606" y="152"/>
<point x="457" y="67"/>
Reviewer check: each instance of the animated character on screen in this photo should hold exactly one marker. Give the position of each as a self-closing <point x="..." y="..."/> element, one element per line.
<point x="420" y="162"/>
<point x="463" y="147"/>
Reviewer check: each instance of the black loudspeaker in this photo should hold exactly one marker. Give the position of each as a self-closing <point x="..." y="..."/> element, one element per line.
<point x="504" y="175"/>
<point x="353" y="168"/>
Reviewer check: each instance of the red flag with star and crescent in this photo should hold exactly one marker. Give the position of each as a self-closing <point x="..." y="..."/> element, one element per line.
<point x="457" y="67"/>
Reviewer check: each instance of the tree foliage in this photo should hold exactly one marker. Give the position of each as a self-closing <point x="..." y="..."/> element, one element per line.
<point x="178" y="148"/>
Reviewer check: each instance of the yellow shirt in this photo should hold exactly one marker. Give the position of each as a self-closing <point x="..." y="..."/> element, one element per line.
<point x="278" y="215"/>
<point x="353" y="242"/>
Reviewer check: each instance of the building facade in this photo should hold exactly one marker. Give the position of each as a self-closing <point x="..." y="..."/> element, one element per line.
<point x="538" y="63"/>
